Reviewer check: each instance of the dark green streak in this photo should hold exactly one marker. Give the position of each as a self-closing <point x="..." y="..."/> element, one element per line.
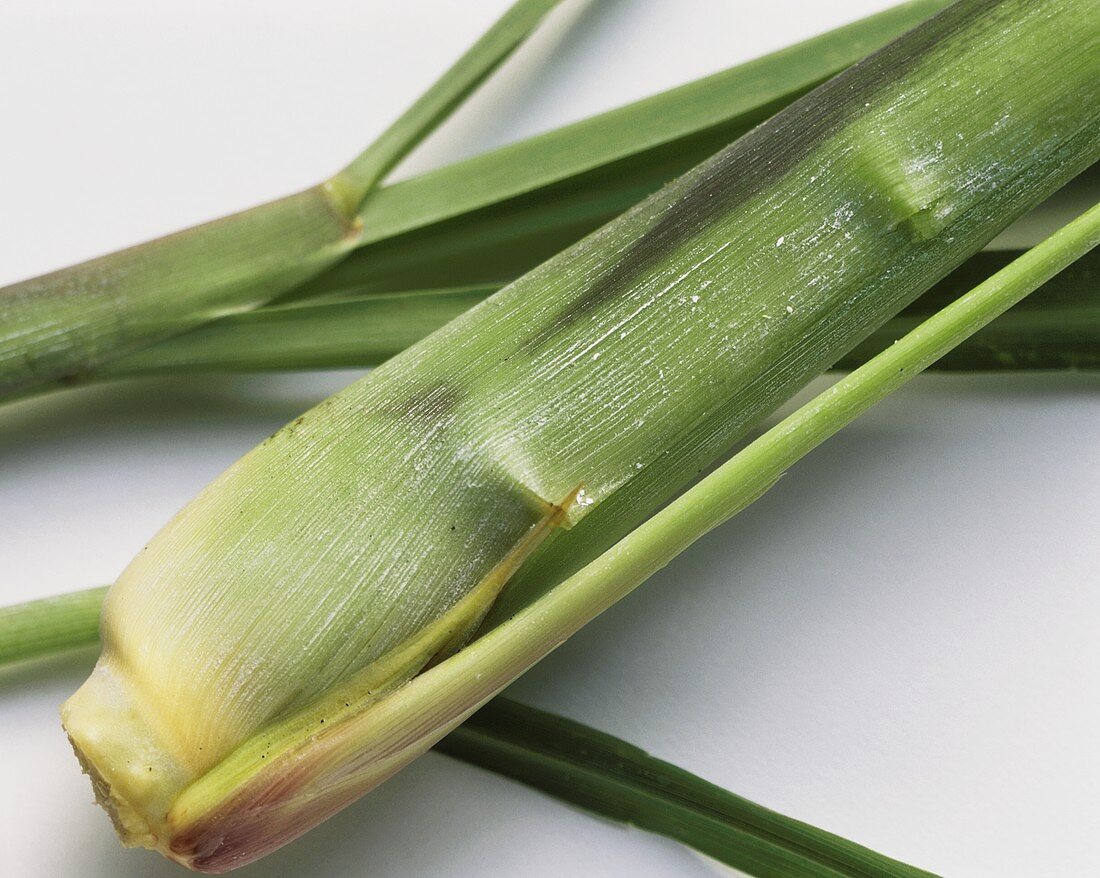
<point x="1056" y="327"/>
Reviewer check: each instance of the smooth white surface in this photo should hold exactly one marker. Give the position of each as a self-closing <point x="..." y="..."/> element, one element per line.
<point x="898" y="643"/>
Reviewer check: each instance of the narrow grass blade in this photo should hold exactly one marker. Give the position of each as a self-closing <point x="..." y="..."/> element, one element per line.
<point x="360" y="177"/>
<point x="614" y="779"/>
<point x="492" y="217"/>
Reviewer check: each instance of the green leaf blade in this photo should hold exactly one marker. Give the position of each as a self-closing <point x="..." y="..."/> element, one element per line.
<point x="491" y="217"/>
<point x="614" y="779"/>
<point x="446" y="94"/>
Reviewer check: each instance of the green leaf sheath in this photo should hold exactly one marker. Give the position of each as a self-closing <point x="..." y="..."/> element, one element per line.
<point x="429" y="706"/>
<point x="498" y="656"/>
<point x="60" y="326"/>
<point x="1058" y="327"/>
<point x="617" y="780"/>
<point x="50" y="625"/>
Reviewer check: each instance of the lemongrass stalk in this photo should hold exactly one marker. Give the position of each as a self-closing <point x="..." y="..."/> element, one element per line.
<point x="61" y="325"/>
<point x="366" y="744"/>
<point x="1058" y="327"/>
<point x="313" y="582"/>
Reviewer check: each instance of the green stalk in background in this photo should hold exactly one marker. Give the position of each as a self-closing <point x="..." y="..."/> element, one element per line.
<point x="485" y="219"/>
<point x="58" y="326"/>
<point x="281" y="646"/>
<point x="1056" y="328"/>
<point x="496" y="215"/>
<point x="50" y="625"/>
<point x="490" y="218"/>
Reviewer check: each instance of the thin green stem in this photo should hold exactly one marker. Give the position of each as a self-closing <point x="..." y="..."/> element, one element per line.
<point x="366" y="171"/>
<point x="42" y="627"/>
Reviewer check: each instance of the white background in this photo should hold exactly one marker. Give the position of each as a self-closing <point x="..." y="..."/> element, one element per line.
<point x="898" y="643"/>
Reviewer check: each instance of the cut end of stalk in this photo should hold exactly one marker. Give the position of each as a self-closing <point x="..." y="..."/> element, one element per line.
<point x="286" y="779"/>
<point x="131" y="772"/>
<point x="216" y="812"/>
